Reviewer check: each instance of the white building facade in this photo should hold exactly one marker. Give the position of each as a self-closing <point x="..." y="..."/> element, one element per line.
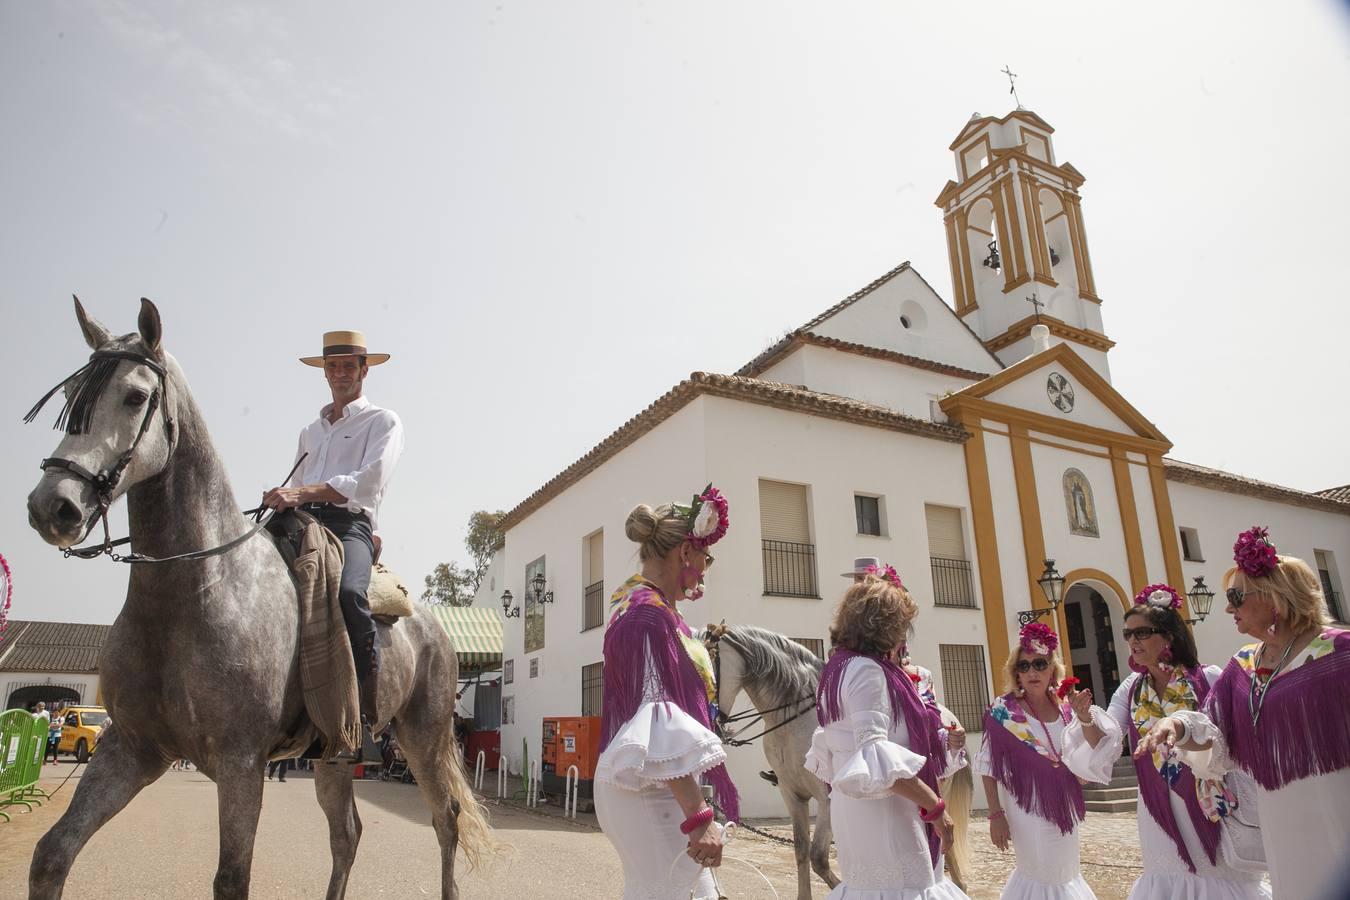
<point x="940" y="439"/>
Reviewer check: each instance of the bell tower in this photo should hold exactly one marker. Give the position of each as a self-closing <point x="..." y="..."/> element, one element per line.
<point x="1016" y="241"/>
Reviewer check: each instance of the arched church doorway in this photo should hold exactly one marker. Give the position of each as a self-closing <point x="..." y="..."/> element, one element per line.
<point x="1093" y="620"/>
<point x="50" y="694"/>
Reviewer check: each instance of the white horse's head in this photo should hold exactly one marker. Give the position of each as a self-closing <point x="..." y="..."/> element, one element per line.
<point x="119" y="429"/>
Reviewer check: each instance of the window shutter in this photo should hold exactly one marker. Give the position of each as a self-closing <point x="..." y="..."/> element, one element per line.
<point x="595" y="558"/>
<point x="945" y="540"/>
<point x="782" y="512"/>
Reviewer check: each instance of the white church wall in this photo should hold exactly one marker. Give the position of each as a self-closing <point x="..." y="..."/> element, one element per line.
<point x="86" y="685"/>
<point x="934" y="331"/>
<point x="1154" y="561"/>
<point x="663" y="465"/>
<point x="1020" y="349"/>
<point x="1007" y="526"/>
<point x="1076" y="551"/>
<point x="902" y="388"/>
<point x="1218" y="517"/>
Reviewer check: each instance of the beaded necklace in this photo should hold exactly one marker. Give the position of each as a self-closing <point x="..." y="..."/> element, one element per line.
<point x="1256" y="696"/>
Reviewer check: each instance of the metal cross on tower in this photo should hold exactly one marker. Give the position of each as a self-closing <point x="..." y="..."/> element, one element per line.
<point x="1012" y="83"/>
<point x="1036" y="304"/>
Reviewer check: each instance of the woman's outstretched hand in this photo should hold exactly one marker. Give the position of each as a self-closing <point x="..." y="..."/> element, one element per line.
<point x="1165" y="733"/>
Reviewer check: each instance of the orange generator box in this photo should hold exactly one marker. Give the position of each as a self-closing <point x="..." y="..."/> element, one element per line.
<point x="578" y="745"/>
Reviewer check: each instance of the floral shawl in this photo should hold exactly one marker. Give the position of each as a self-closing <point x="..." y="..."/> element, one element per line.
<point x="1304" y="728"/>
<point x="1032" y="773"/>
<point x="644" y="628"/>
<point x="1207" y="800"/>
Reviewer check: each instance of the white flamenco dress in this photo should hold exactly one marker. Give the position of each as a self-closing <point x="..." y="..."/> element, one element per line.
<point x="881" y="841"/>
<point x="1047" y="859"/>
<point x="1166" y="876"/>
<point x="1303" y="824"/>
<point x="634" y="804"/>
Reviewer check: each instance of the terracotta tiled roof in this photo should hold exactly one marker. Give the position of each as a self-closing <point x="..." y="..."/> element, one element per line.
<point x="1189" y="473"/>
<point x="735" y="387"/>
<point x="1341" y="493"/>
<point x="51" y="646"/>
<point x="797" y="338"/>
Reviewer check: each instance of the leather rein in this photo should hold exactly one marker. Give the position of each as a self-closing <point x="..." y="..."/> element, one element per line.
<point x="106" y="481"/>
<point x="751" y="717"/>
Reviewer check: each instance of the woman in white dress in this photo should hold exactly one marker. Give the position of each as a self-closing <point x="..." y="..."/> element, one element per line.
<point x="1279" y="713"/>
<point x="1179" y="823"/>
<point x="881" y="749"/>
<point x="1031" y="778"/>
<point x="656" y="742"/>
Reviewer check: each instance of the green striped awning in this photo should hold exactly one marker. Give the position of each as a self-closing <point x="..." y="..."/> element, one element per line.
<point x="475" y="632"/>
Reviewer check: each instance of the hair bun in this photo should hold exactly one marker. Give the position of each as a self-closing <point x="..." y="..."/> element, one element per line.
<point x="641" y="524"/>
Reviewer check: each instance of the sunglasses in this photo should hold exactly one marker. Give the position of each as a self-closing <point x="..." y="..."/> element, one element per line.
<point x="1236" y="596"/>
<point x="1143" y="633"/>
<point x="1026" y="665"/>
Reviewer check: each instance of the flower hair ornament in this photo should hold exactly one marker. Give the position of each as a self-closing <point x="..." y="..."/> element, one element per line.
<point x="886" y="573"/>
<point x="1163" y="596"/>
<point x="1038" y="638"/>
<point x="706" y="516"/>
<point x="1254" y="553"/>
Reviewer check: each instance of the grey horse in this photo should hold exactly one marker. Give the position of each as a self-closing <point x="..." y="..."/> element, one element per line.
<point x="202" y="661"/>
<point x="780" y="676"/>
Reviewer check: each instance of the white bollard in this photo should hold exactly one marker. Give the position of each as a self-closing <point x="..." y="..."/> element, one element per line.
<point x="532" y="789"/>
<point x="501" y="778"/>
<point x="570" y="789"/>
<point x="479" y="768"/>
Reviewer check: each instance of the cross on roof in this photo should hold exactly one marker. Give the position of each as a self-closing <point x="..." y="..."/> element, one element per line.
<point x="1036" y="304"/>
<point x="1012" y="83"/>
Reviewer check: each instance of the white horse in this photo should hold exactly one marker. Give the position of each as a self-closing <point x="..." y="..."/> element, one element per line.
<point x="780" y="677"/>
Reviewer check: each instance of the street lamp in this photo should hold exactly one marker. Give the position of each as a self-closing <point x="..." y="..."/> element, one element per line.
<point x="1052" y="586"/>
<point x="506" y="606"/>
<point x="1202" y="600"/>
<point x="537" y="586"/>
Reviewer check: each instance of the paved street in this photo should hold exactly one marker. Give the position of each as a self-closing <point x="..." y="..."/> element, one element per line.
<point x="164" y="846"/>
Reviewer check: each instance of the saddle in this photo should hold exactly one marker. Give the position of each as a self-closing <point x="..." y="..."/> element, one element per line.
<point x="388" y="596"/>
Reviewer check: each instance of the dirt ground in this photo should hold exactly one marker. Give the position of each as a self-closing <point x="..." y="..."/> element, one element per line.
<point x="164" y="846"/>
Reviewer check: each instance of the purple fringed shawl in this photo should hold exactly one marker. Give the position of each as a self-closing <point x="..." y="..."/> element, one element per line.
<point x="1046" y="791"/>
<point x="652" y="625"/>
<point x="1153" y="787"/>
<point x="1304" y="728"/>
<point x="922" y="720"/>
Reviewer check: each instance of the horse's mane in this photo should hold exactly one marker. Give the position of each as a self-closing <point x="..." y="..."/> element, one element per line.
<point x="775" y="664"/>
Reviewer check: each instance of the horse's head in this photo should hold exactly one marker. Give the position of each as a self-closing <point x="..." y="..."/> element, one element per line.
<point x="118" y="424"/>
<point x="729" y="664"/>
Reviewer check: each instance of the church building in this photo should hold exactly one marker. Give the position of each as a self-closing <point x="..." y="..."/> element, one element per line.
<point x="966" y="444"/>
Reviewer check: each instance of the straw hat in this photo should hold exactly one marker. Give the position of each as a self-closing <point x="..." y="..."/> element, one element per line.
<point x="345" y="343"/>
<point x="860" y="565"/>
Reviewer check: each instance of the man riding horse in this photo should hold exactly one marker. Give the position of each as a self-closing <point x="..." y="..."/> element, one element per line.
<point x="347" y="457"/>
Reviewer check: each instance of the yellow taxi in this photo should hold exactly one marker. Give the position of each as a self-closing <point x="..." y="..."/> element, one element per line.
<point x="83" y="726"/>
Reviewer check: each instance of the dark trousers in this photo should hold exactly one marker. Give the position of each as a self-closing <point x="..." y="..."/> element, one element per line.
<point x="358" y="551"/>
<point x="279" y="767"/>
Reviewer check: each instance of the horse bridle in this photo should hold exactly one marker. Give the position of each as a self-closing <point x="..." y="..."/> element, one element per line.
<point x="106" y="481"/>
<point x="751" y="717"/>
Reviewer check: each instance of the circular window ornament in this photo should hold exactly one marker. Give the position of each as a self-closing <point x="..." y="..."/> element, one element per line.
<point x="1059" y="390"/>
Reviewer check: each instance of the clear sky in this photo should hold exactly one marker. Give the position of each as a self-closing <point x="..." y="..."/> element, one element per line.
<point x="551" y="212"/>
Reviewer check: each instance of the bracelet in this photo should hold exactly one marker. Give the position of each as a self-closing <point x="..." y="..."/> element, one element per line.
<point x="697" y="820"/>
<point x="996" y="814"/>
<point x="932" y="815"/>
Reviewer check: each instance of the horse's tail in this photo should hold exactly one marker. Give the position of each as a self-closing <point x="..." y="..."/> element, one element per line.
<point x="958" y="793"/>
<point x="475" y="835"/>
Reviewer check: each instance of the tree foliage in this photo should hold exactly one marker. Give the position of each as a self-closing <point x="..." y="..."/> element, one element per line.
<point x="448" y="586"/>
<point x="483" y="540"/>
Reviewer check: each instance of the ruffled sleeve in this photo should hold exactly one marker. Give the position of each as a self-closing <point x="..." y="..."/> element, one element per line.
<point x="877" y="762"/>
<point x="982" y="765"/>
<point x="659" y="743"/>
<point x="957" y="759"/>
<point x="1215" y="762"/>
<point x="818" y="760"/>
<point x="1091" y="763"/>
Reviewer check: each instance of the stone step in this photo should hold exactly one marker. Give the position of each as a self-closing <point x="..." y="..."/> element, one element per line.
<point x="1131" y="780"/>
<point x="1110" y="793"/>
<point x="1111" y="806"/>
<point x="1123" y="766"/>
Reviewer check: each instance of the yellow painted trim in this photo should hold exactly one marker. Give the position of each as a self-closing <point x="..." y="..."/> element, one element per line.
<point x="1033" y="535"/>
<point x="1058" y="327"/>
<point x="1100" y="454"/>
<point x="1024" y="115"/>
<point x="1010" y="271"/>
<point x="1129" y="518"/>
<point x="1078" y="235"/>
<point x="1028" y="136"/>
<point x="1040" y="253"/>
<point x="966" y="171"/>
<point x="1167" y="530"/>
<point x="988" y="234"/>
<point x="986" y="548"/>
<point x="1099" y="387"/>
<point x="1016" y="220"/>
<point x="1065" y="428"/>
<point x="1014" y="285"/>
<point x="1079" y="575"/>
<point x="954" y="257"/>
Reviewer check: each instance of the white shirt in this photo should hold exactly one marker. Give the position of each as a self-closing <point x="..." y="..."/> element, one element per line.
<point x="355" y="456"/>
